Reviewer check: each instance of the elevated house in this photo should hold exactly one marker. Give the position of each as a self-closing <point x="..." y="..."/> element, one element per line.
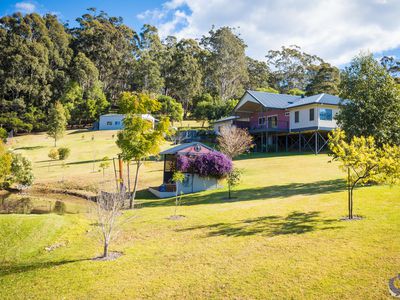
<point x="192" y="182"/>
<point x="280" y="122"/>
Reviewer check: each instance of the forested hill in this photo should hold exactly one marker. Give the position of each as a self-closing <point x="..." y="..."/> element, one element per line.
<point x="87" y="67"/>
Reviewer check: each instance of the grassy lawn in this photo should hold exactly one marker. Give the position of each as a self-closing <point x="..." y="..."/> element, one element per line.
<point x="281" y="238"/>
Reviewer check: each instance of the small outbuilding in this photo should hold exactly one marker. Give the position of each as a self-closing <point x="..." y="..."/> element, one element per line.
<point x="192" y="182"/>
<point x="115" y="121"/>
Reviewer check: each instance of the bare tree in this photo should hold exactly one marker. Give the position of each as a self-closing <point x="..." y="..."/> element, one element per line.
<point x="107" y="212"/>
<point x="234" y="141"/>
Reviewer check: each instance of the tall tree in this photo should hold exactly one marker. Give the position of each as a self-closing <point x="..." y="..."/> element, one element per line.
<point x="148" y="77"/>
<point x="111" y="46"/>
<point x="325" y="80"/>
<point x="392" y="66"/>
<point x="34" y="65"/>
<point x="372" y="107"/>
<point x="57" y="122"/>
<point x="292" y="67"/>
<point x="185" y="79"/>
<point x="258" y="74"/>
<point x="226" y="64"/>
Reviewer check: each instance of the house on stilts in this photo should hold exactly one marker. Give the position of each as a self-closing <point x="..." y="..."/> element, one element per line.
<point x="280" y="122"/>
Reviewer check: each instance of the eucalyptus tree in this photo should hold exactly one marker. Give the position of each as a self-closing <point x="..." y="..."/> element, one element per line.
<point x="111" y="46"/>
<point x="185" y="75"/>
<point x="291" y="67"/>
<point x="258" y="74"/>
<point x="226" y="62"/>
<point x="326" y="79"/>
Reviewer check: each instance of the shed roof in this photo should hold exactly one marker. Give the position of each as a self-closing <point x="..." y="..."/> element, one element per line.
<point x="181" y="148"/>
<point x="227" y="119"/>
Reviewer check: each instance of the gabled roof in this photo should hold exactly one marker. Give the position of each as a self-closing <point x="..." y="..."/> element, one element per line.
<point x="320" y="98"/>
<point x="272" y="100"/>
<point x="180" y="148"/>
<point x="283" y="101"/>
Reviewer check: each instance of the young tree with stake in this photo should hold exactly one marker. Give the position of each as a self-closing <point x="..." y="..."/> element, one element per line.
<point x="57" y="122"/>
<point x="139" y="140"/>
<point x="178" y="178"/>
<point x="364" y="162"/>
<point x="107" y="213"/>
<point x="234" y="141"/>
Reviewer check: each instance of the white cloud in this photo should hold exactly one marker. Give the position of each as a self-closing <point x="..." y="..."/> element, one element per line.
<point x="25" y="7"/>
<point x="336" y="30"/>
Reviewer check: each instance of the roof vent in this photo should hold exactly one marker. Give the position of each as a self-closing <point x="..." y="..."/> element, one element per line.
<point x="302" y="96"/>
<point x="290" y="102"/>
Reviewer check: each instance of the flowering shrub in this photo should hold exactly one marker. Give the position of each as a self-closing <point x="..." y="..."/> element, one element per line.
<point x="183" y="163"/>
<point x="213" y="164"/>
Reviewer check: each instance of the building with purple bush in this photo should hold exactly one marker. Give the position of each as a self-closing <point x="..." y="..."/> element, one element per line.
<point x="201" y="165"/>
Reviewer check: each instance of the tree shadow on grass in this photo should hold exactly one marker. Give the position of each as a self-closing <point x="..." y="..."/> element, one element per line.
<point x="294" y="223"/>
<point x="6" y="269"/>
<point x="254" y="155"/>
<point x="267" y="192"/>
<point x="29" y="148"/>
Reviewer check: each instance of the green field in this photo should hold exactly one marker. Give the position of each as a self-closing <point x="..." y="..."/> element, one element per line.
<point x="281" y="238"/>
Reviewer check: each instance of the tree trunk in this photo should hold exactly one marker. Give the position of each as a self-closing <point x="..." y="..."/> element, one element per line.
<point x="132" y="198"/>
<point x="229" y="191"/>
<point x="55" y="142"/>
<point x="351" y="203"/>
<point x="348" y="192"/>
<point x="105" y="250"/>
<point x="176" y="198"/>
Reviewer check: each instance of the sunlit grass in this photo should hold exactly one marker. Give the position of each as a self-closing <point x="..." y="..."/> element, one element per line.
<point x="280" y="238"/>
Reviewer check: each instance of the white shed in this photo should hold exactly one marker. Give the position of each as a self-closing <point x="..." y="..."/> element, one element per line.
<point x="114" y="121"/>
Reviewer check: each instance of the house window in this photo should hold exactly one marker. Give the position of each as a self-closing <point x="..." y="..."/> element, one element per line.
<point x="117" y="123"/>
<point x="272" y="122"/>
<point x="261" y="121"/>
<point x="109" y="123"/>
<point x="325" y="114"/>
<point x="312" y="114"/>
<point x="296" y="116"/>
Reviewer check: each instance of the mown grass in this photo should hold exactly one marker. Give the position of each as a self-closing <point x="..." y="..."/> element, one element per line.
<point x="280" y="238"/>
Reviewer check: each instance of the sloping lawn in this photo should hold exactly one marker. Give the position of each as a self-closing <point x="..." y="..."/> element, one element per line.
<point x="281" y="238"/>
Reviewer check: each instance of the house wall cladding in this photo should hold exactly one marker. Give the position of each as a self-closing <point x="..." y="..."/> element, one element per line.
<point x="304" y="117"/>
<point x="283" y="120"/>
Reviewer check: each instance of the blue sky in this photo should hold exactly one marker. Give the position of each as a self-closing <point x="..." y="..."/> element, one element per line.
<point x="335" y="30"/>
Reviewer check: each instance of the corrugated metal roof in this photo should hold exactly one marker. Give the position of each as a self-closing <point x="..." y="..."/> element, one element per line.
<point x="274" y="100"/>
<point x="180" y="147"/>
<point x="320" y="98"/>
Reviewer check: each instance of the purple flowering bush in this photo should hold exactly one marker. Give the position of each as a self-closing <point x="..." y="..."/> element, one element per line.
<point x="183" y="163"/>
<point x="212" y="164"/>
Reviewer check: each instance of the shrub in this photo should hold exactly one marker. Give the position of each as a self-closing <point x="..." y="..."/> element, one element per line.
<point x="63" y="153"/>
<point x="60" y="207"/>
<point x="53" y="154"/>
<point x="213" y="164"/>
<point x="183" y="163"/>
<point x="21" y="170"/>
<point x="3" y="134"/>
<point x="24" y="205"/>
